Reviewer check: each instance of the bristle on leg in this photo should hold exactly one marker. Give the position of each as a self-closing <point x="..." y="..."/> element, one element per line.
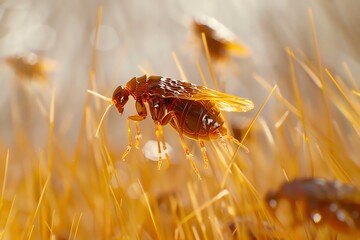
<point x="138" y="135"/>
<point x="157" y="133"/>
<point x="203" y="151"/>
<point x="161" y="131"/>
<point x="196" y="170"/>
<point x="129" y="138"/>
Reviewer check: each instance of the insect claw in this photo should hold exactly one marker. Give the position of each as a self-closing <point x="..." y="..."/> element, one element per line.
<point x="126" y="153"/>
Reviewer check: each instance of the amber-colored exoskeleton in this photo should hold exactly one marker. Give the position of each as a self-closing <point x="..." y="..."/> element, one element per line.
<point x="220" y="40"/>
<point x="29" y="66"/>
<point x="322" y="202"/>
<point x="193" y="111"/>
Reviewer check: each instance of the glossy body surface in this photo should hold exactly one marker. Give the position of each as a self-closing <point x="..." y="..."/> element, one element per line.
<point x="193" y="111"/>
<point x="198" y="119"/>
<point x="322" y="201"/>
<point x="190" y="109"/>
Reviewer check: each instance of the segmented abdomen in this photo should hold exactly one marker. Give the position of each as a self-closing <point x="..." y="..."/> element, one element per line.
<point x="197" y="119"/>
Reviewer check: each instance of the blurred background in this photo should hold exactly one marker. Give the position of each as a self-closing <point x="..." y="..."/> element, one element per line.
<point x="136" y="34"/>
<point x="142" y="36"/>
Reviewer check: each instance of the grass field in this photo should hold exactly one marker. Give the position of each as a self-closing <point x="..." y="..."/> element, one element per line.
<point x="60" y="181"/>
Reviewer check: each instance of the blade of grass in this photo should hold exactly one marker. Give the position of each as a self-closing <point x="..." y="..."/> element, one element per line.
<point x="72" y="226"/>
<point x="38" y="205"/>
<point x="77" y="226"/>
<point x="150" y="210"/>
<point x="201" y="72"/>
<point x="298" y="98"/>
<point x="7" y="219"/>
<point x="347" y="99"/>
<point x="217" y="197"/>
<point x="179" y="67"/>
<point x="212" y="72"/>
<point x="245" y="135"/>
<point x="350" y="76"/>
<point x="5" y="176"/>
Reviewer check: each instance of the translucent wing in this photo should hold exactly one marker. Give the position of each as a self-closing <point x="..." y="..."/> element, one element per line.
<point x="171" y="88"/>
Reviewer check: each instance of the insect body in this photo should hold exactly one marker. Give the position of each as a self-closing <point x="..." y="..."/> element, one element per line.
<point x="322" y="201"/>
<point x="221" y="41"/>
<point x="29" y="66"/>
<point x="193" y="111"/>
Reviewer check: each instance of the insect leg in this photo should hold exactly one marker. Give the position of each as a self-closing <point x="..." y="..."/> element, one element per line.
<point x="141" y="110"/>
<point x="157" y="133"/>
<point x="203" y="150"/>
<point x="165" y="120"/>
<point x="135" y="118"/>
<point x="234" y="140"/>
<point x="224" y="143"/>
<point x="164" y="146"/>
<point x="138" y="134"/>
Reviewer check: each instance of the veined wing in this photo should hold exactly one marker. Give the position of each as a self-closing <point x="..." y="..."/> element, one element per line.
<point x="171" y="88"/>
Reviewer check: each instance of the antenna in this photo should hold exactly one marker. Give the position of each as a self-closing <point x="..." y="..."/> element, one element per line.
<point x="101" y="120"/>
<point x="106" y="110"/>
<point x="100" y="96"/>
